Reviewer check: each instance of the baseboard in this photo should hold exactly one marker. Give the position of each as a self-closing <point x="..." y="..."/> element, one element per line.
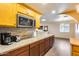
<point x="61" y="38"/>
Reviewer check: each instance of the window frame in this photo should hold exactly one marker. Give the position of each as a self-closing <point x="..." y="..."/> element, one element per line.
<point x="64" y="27"/>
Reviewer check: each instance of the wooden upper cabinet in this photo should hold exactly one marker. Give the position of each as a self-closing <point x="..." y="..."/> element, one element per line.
<point x="21" y="8"/>
<point x="8" y="14"/>
<point x="38" y="20"/>
<point x="29" y="12"/>
<point x="24" y="10"/>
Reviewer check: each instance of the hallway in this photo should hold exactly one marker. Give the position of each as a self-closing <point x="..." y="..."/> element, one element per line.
<point x="61" y="48"/>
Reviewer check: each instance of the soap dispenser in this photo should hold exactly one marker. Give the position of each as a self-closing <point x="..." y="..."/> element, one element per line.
<point x="35" y="33"/>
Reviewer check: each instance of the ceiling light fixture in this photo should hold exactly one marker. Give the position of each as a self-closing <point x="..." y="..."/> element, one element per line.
<point x="53" y="12"/>
<point x="43" y="20"/>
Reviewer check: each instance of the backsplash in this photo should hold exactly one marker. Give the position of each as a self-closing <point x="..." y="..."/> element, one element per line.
<point x="16" y="30"/>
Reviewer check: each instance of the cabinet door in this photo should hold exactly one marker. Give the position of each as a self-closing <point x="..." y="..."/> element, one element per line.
<point x="35" y="49"/>
<point x="51" y="42"/>
<point x="8" y="14"/>
<point x="37" y="18"/>
<point x="46" y="44"/>
<point x="75" y="53"/>
<point x="42" y="47"/>
<point x="21" y="9"/>
<point x="75" y="48"/>
<point x="25" y="10"/>
<point x="23" y="51"/>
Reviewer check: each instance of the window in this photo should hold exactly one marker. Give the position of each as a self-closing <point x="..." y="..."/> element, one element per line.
<point x="76" y="27"/>
<point x="64" y="27"/>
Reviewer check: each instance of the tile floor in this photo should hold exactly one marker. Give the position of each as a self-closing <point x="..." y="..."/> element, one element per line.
<point x="61" y="48"/>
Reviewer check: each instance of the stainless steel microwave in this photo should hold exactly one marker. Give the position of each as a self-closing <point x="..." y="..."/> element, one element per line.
<point x="25" y="21"/>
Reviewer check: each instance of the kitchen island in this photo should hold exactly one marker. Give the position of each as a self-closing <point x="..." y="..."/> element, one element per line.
<point x="74" y="46"/>
<point x="34" y="46"/>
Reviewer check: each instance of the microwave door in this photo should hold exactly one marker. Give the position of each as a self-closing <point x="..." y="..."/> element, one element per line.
<point x="24" y="22"/>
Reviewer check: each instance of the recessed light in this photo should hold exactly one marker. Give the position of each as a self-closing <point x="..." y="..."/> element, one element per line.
<point x="43" y="20"/>
<point x="53" y="12"/>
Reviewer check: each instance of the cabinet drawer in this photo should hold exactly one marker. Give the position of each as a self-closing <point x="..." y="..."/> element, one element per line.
<point x="18" y="51"/>
<point x="75" y="54"/>
<point x="42" y="47"/>
<point x="34" y="44"/>
<point x="25" y="53"/>
<point x="75" y="48"/>
<point x="34" y="49"/>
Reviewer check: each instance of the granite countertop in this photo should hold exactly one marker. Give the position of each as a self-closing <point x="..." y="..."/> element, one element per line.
<point x="74" y="41"/>
<point x="5" y="48"/>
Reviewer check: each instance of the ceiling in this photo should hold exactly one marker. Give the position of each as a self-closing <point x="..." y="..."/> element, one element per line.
<point x="48" y="7"/>
<point x="51" y="11"/>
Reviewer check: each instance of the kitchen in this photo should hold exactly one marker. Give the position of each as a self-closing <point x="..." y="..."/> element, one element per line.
<point x="31" y="29"/>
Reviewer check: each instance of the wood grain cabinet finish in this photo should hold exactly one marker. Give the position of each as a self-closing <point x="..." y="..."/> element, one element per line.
<point x="10" y="20"/>
<point x="75" y="54"/>
<point x="38" y="48"/>
<point x="51" y="41"/>
<point x="42" y="47"/>
<point x="22" y="51"/>
<point x="47" y="44"/>
<point x="35" y="49"/>
<point x="75" y="50"/>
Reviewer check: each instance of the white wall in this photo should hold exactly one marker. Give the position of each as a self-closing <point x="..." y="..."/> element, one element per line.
<point x="54" y="27"/>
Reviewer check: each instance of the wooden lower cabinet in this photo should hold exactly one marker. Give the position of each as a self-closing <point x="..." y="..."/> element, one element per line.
<point x="22" y="51"/>
<point x="42" y="47"/>
<point x="38" y="48"/>
<point x="35" y="49"/>
<point x="75" y="54"/>
<point x="51" y="41"/>
<point x="75" y="50"/>
<point x="47" y="44"/>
